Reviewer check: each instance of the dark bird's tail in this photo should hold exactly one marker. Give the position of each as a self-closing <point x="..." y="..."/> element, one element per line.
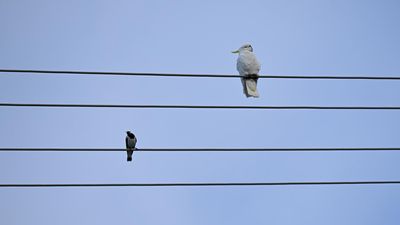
<point x="129" y="157"/>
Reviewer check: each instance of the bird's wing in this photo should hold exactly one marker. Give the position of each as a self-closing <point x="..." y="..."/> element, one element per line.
<point x="134" y="142"/>
<point x="241" y="66"/>
<point x="126" y="142"/>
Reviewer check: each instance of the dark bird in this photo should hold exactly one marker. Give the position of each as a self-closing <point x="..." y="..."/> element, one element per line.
<point x="130" y="142"/>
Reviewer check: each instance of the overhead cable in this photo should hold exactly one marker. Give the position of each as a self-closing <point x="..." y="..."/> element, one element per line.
<point x="313" y="183"/>
<point x="66" y="72"/>
<point x="342" y="149"/>
<point x="201" y="106"/>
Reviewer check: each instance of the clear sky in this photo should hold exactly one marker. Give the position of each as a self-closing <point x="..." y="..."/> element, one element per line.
<point x="290" y="37"/>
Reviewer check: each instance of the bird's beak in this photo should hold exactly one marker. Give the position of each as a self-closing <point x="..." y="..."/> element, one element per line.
<point x="237" y="51"/>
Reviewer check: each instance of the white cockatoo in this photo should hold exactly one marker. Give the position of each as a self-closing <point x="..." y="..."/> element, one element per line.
<point x="130" y="142"/>
<point x="248" y="67"/>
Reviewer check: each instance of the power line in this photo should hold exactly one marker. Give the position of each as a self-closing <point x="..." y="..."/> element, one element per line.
<point x="198" y="75"/>
<point x="201" y="184"/>
<point x="195" y="149"/>
<point x="203" y="106"/>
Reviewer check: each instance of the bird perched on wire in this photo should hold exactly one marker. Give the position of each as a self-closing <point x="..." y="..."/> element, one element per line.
<point x="130" y="142"/>
<point x="248" y="67"/>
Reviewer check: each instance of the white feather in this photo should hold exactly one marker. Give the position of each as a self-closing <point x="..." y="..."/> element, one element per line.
<point x="247" y="64"/>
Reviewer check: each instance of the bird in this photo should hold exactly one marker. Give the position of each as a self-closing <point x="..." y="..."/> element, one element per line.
<point x="130" y="142"/>
<point x="248" y="67"/>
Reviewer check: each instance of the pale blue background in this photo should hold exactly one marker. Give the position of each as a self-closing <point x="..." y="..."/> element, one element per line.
<point x="291" y="37"/>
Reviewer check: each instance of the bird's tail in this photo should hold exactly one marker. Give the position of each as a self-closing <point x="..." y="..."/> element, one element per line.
<point x="129" y="155"/>
<point x="250" y="87"/>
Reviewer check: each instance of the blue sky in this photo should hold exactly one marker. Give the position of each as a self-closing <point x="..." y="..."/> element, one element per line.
<point x="303" y="37"/>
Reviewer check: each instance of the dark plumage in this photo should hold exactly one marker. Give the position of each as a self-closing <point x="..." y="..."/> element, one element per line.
<point x="130" y="142"/>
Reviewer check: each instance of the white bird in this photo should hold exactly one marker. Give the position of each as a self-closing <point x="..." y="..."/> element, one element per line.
<point x="130" y="142"/>
<point x="248" y="67"/>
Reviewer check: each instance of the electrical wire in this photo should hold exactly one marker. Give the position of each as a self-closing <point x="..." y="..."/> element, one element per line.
<point x="202" y="106"/>
<point x="197" y="75"/>
<point x="201" y="184"/>
<point x="196" y="149"/>
<point x="43" y="185"/>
